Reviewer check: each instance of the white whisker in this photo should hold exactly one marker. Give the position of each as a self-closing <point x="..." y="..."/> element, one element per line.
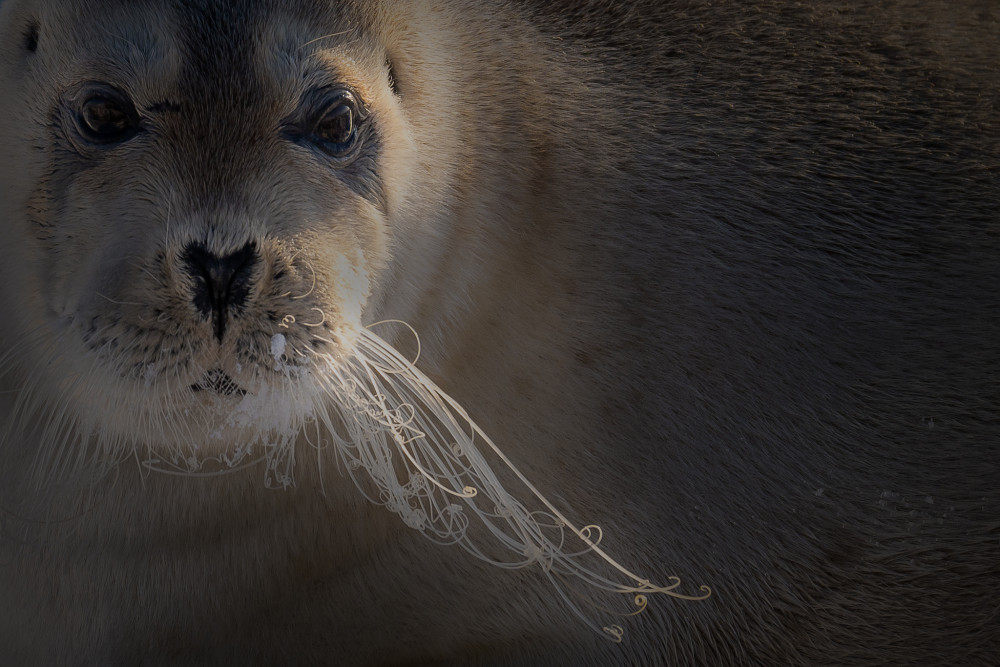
<point x="428" y="461"/>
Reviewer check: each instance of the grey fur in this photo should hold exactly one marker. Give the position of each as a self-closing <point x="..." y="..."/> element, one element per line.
<point x="769" y="242"/>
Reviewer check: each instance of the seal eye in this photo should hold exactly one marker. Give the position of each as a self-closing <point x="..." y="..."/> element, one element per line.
<point x="106" y="117"/>
<point x="335" y="130"/>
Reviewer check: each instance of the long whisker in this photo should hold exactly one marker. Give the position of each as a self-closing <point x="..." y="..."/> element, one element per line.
<point x="429" y="464"/>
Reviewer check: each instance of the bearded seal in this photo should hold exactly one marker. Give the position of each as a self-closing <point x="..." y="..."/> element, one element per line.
<point x="720" y="279"/>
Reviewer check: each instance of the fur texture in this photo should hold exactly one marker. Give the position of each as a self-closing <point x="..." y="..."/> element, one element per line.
<point x="723" y="278"/>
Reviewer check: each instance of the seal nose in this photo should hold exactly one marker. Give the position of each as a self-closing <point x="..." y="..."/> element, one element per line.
<point x="221" y="284"/>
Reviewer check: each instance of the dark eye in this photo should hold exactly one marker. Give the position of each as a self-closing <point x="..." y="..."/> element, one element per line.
<point x="335" y="129"/>
<point x="107" y="117"/>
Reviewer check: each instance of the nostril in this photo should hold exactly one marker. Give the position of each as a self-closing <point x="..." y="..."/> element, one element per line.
<point x="221" y="283"/>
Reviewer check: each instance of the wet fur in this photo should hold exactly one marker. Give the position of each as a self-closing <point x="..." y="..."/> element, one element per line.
<point x="721" y="278"/>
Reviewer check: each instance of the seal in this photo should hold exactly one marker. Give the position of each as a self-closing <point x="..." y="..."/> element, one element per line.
<point x="703" y="297"/>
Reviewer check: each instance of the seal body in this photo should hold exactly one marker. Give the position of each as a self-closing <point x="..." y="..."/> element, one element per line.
<point x="722" y="279"/>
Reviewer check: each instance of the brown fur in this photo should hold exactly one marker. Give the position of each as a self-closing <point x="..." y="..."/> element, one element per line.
<point x="722" y="278"/>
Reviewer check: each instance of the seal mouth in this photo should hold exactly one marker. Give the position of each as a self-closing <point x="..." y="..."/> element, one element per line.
<point x="220" y="383"/>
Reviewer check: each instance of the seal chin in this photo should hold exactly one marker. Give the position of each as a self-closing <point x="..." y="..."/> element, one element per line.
<point x="218" y="423"/>
<point x="215" y="409"/>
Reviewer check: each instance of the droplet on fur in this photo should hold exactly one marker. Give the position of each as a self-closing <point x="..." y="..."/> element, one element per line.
<point x="277" y="347"/>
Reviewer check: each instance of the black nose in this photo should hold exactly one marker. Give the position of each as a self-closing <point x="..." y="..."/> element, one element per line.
<point x="221" y="284"/>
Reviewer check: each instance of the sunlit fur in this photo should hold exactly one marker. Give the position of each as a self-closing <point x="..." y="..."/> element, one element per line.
<point x="711" y="290"/>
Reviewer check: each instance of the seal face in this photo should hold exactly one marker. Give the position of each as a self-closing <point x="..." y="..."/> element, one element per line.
<point x="164" y="247"/>
<point x="721" y="279"/>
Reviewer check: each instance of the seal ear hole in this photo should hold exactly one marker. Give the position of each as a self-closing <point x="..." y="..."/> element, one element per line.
<point x="31" y="37"/>
<point x="393" y="79"/>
